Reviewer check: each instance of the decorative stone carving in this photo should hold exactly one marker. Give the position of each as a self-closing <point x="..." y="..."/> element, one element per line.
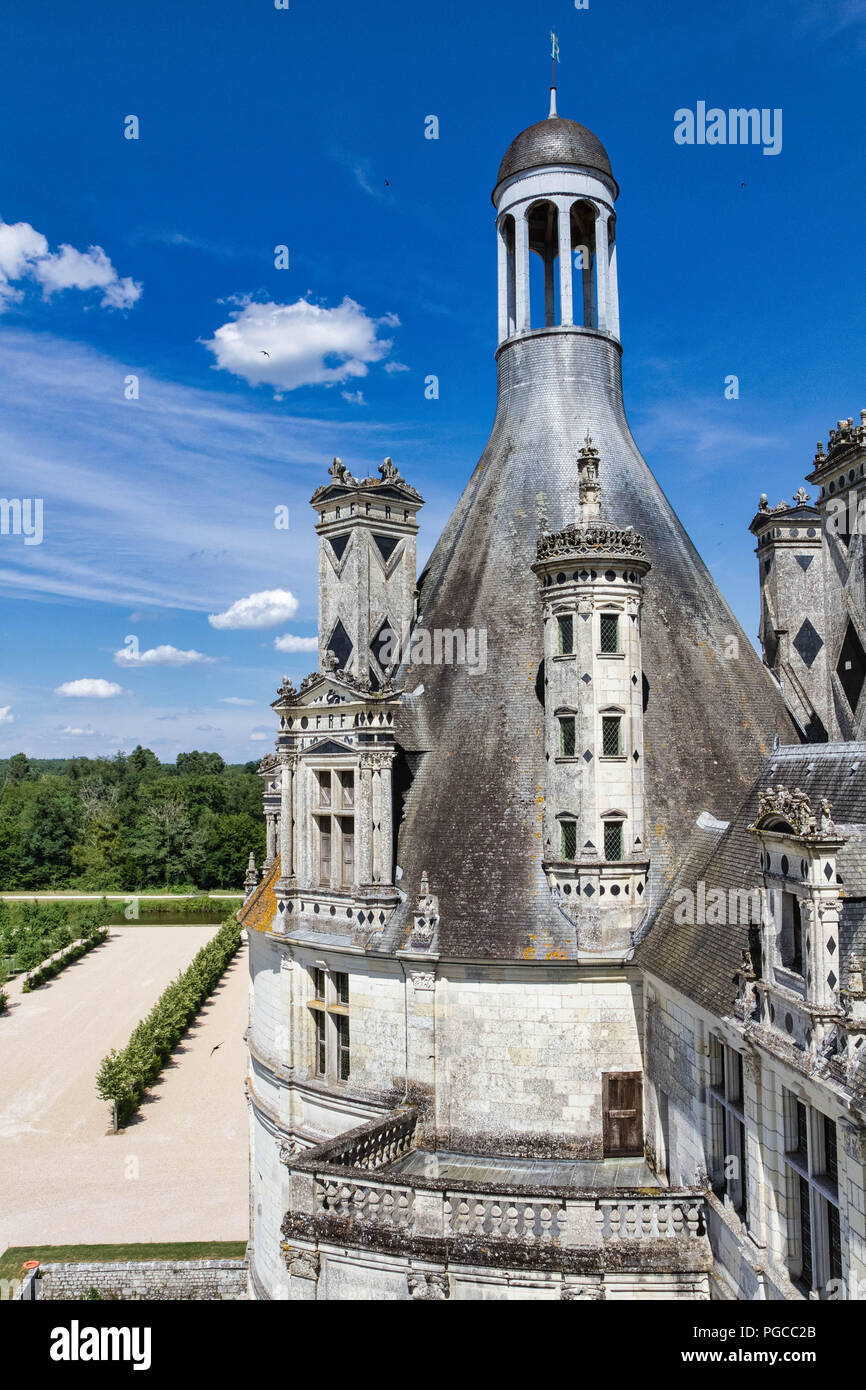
<point x="388" y="471"/>
<point x="429" y="1287"/>
<point x="289" y="1149"/>
<point x="570" y="1293"/>
<point x="801" y="497"/>
<point x="423" y="979"/>
<point x="590" y="540"/>
<point x="286" y="691"/>
<point x="793" y="807"/>
<point x="425" y="917"/>
<point x="252" y="878"/>
<point x="301" y="1264"/>
<point x="854" y="1142"/>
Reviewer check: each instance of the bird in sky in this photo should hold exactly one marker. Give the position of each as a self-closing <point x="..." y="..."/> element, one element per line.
<point x="264" y="354"/>
<point x="213" y="1049"/>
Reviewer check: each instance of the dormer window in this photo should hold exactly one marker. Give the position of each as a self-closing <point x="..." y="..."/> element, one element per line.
<point x="791" y="937"/>
<point x="334" y="819"/>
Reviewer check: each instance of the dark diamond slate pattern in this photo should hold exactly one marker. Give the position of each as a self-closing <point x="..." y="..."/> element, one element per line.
<point x="808" y="643"/>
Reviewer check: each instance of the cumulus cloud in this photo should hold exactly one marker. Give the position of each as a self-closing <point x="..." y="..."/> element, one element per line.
<point x="165" y="655"/>
<point x="290" y="345"/>
<point x="25" y="255"/>
<point x="397" y="367"/>
<point x="78" y="733"/>
<point x="353" y="397"/>
<point x="89" y="688"/>
<point x="290" y="643"/>
<point x="267" y="609"/>
<point x="6" y="715"/>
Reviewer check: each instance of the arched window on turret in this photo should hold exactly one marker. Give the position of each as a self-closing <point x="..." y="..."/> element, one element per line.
<point x="583" y="246"/>
<point x="543" y="231"/>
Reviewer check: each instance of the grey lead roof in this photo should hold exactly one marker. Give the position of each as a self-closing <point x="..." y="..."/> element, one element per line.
<point x="554" y="141"/>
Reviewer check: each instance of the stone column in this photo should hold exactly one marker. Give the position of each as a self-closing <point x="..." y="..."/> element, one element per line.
<point x="852" y="1200"/>
<point x="385" y="854"/>
<point x="365" y="823"/>
<point x="271" y="827"/>
<point x="566" y="302"/>
<point x="521" y="270"/>
<point x="612" y="291"/>
<point x="286" y="837"/>
<point x="602" y="273"/>
<point x="502" y="262"/>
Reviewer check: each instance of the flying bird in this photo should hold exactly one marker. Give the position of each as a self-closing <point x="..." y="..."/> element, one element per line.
<point x="264" y="354"/>
<point x="213" y="1049"/>
<point x="387" y="183"/>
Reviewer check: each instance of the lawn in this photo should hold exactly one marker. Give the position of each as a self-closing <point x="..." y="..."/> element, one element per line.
<point x="12" y="1260"/>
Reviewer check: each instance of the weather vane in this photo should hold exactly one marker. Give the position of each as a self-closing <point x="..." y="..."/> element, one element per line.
<point x="554" y="56"/>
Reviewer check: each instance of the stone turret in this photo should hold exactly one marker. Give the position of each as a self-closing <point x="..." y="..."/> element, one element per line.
<point x="590" y="579"/>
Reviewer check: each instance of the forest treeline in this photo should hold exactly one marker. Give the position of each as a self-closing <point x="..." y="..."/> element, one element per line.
<point x="128" y="823"/>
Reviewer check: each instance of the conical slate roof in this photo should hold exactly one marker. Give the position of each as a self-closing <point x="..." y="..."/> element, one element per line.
<point x="472" y="816"/>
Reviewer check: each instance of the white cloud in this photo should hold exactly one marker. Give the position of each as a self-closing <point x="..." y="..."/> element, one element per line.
<point x="24" y="254"/>
<point x="78" y="733"/>
<point x="290" y="345"/>
<point x="290" y="643"/>
<point x="259" y="738"/>
<point x="161" y="656"/>
<point x="6" y="715"/>
<point x="92" y="688"/>
<point x="353" y="397"/>
<point x="267" y="609"/>
<point x="397" y="367"/>
<point x="235" y="700"/>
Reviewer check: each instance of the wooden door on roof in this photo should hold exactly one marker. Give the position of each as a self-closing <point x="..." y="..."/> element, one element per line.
<point x="622" y="1110"/>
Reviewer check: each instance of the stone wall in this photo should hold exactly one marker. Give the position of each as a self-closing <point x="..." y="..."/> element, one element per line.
<point x="136" y="1280"/>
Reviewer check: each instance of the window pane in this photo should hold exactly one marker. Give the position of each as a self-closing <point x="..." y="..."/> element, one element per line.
<point x="324" y="850"/>
<point x="609" y="632"/>
<point x="324" y="780"/>
<point x="611" y="742"/>
<point x="347" y="827"/>
<point x="347" y="788"/>
<point x="831" y="1161"/>
<point x="343" y="1045"/>
<point x="319" y="984"/>
<point x="569" y="838"/>
<point x="805" y="1231"/>
<point x="835" y="1241"/>
<point x="321" y="1048"/>
<point x="566" y="737"/>
<point x="613" y="839"/>
<point x="341" y="985"/>
<point x="566" y="635"/>
<point x="802" y="1131"/>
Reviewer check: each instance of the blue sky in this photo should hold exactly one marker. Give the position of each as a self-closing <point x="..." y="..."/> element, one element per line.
<point x="305" y="128"/>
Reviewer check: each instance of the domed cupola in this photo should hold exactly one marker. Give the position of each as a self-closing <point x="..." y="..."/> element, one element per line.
<point x="554" y="196"/>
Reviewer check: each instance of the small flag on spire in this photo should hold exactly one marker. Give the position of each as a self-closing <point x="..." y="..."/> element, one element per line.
<point x="554" y="47"/>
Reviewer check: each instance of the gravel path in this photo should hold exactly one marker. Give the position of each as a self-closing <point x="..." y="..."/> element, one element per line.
<point x="179" y="1172"/>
